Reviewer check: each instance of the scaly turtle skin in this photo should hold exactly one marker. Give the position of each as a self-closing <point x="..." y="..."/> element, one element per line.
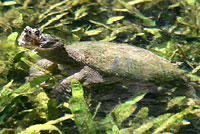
<point x="102" y="62"/>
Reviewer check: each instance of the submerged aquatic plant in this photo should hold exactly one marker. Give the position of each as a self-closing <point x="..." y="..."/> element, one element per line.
<point x="40" y="109"/>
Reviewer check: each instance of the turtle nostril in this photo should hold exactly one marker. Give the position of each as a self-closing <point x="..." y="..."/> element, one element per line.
<point x="25" y="30"/>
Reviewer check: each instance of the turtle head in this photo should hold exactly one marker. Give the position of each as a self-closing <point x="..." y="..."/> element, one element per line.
<point x="45" y="45"/>
<point x="31" y="38"/>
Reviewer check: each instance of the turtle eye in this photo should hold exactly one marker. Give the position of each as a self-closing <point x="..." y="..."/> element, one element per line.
<point x="37" y="32"/>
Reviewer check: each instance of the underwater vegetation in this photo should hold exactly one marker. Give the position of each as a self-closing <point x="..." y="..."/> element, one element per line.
<point x="168" y="28"/>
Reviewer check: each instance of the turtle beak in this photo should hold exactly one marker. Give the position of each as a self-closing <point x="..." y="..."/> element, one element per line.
<point x="24" y="42"/>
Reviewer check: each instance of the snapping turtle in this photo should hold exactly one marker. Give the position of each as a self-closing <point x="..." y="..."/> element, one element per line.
<point x="102" y="62"/>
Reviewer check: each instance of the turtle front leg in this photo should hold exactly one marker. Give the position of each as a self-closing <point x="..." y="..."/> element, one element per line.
<point x="86" y="76"/>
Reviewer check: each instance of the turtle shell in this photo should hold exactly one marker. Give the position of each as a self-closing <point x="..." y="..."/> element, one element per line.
<point x="123" y="60"/>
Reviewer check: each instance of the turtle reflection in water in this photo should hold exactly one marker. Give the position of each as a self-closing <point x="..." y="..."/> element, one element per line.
<point x="105" y="63"/>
